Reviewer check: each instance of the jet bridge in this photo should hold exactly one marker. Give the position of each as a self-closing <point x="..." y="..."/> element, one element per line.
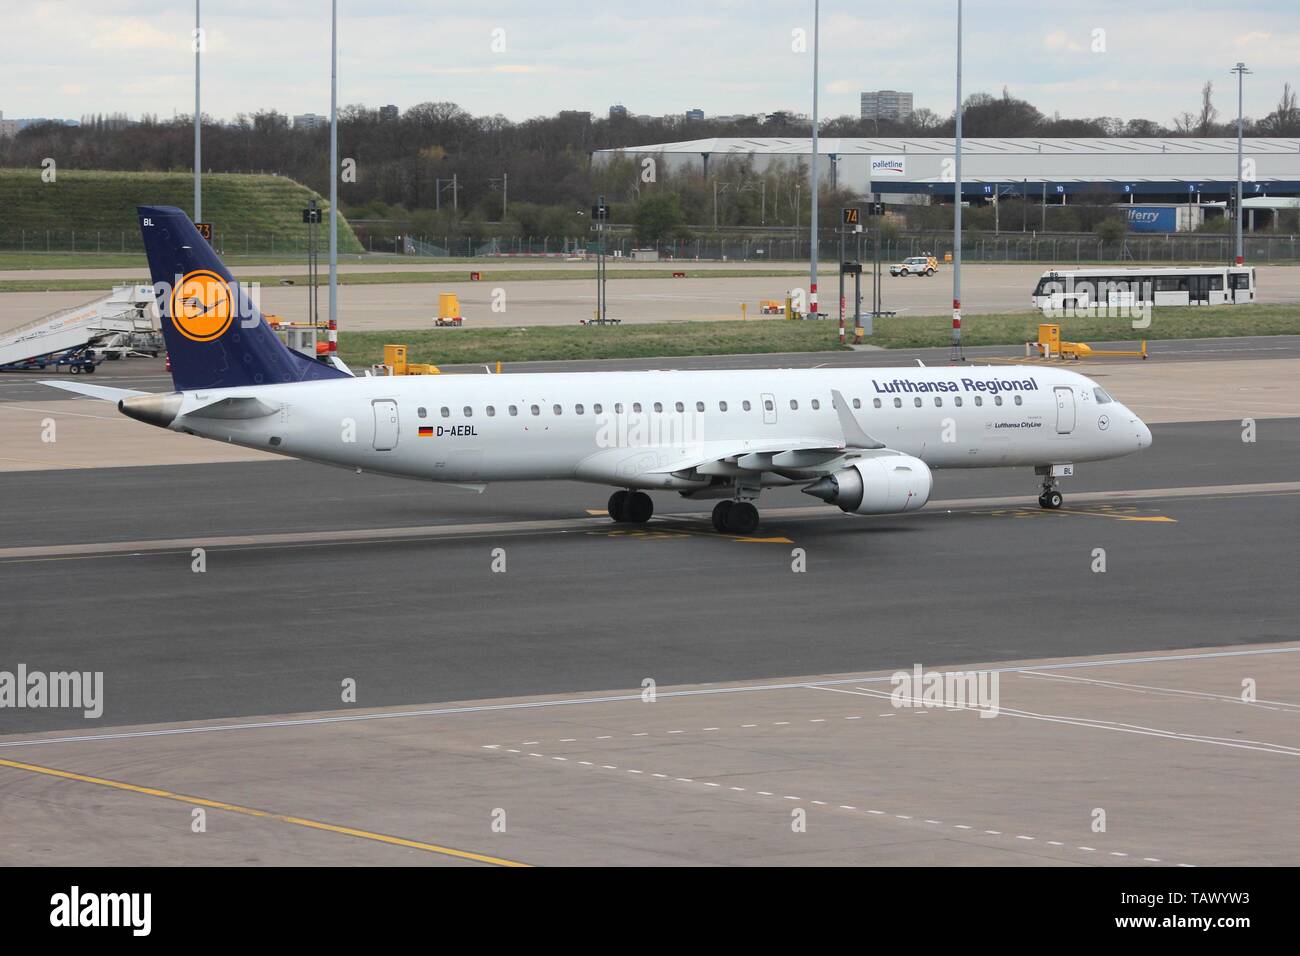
<point x="125" y="315"/>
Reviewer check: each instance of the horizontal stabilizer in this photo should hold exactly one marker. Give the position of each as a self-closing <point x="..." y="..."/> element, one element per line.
<point x="102" y="392"/>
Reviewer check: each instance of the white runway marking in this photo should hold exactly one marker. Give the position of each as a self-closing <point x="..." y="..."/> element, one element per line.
<point x="617" y="698"/>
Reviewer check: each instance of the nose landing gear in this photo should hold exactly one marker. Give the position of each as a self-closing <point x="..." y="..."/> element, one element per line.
<point x="1050" y="497"/>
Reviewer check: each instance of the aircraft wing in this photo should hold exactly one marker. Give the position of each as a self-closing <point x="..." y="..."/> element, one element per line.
<point x="795" y="457"/>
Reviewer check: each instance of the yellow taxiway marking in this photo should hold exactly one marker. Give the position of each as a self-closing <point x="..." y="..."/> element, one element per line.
<point x="1119" y="517"/>
<point x="251" y="812"/>
<point x="674" y="531"/>
<point x="1125" y="514"/>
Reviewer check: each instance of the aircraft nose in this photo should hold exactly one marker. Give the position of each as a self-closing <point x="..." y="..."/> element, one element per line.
<point x="1143" y="433"/>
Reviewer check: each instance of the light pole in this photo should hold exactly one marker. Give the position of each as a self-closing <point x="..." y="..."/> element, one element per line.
<point x="198" y="121"/>
<point x="1241" y="71"/>
<point x="812" y="282"/>
<point x="334" y="165"/>
<point x="957" y="354"/>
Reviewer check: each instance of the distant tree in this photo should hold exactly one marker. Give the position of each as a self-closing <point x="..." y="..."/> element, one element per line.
<point x="1285" y="120"/>
<point x="1111" y="230"/>
<point x="1205" y="121"/>
<point x="657" y="217"/>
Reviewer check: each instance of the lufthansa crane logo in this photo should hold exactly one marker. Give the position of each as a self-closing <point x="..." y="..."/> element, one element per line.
<point x="202" y="306"/>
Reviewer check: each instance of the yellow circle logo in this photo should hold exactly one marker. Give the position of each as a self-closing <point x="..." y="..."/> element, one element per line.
<point x="202" y="307"/>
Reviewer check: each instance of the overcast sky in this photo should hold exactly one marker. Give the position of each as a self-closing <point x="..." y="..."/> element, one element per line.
<point x="65" y="58"/>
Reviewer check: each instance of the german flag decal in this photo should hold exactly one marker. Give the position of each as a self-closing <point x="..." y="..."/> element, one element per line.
<point x="426" y="431"/>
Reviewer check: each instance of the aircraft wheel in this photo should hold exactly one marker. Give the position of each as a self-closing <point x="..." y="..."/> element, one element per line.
<point x="618" y="506"/>
<point x="721" y="516"/>
<point x="743" y="518"/>
<point x="1051" y="500"/>
<point x="639" y="507"/>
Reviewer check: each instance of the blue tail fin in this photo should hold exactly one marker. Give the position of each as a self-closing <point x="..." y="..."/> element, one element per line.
<point x="215" y="336"/>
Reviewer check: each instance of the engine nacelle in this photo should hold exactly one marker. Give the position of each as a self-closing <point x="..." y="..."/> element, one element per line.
<point x="890" y="484"/>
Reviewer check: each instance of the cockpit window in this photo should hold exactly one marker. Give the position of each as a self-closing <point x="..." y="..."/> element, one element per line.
<point x="1101" y="396"/>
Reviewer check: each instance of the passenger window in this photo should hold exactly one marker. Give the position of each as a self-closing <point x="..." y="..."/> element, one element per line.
<point x="898" y="403"/>
<point x="557" y="410"/>
<point x="938" y="402"/>
<point x="745" y="405"/>
<point x="997" y="399"/>
<point x="659" y="406"/>
<point x="794" y="404"/>
<point x="446" y="412"/>
<point x="1019" y="400"/>
<point x="767" y="404"/>
<point x="636" y="407"/>
<point x="917" y="401"/>
<point x="514" y="410"/>
<point x="535" y="410"/>
<point x="979" y="399"/>
<point x="491" y="411"/>
<point x="618" y="408"/>
<point x="596" y="409"/>
<point x="957" y="401"/>
<point x="857" y="403"/>
<point x="699" y="406"/>
<point x="469" y="412"/>
<point x="422" y="412"/>
<point x="722" y="406"/>
<point x="680" y="407"/>
<point x="816" y="404"/>
<point x="875" y="403"/>
<point x="577" y="409"/>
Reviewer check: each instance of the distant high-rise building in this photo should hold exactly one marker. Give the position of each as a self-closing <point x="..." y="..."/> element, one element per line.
<point x="618" y="110"/>
<point x="388" y="113"/>
<point x="8" y="128"/>
<point x="886" y="104"/>
<point x="310" y="121"/>
<point x="695" y="114"/>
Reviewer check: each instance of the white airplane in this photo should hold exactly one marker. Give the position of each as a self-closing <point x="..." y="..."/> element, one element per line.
<point x="863" y="439"/>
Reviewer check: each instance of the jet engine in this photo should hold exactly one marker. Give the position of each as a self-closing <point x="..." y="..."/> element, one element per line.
<point x="890" y="484"/>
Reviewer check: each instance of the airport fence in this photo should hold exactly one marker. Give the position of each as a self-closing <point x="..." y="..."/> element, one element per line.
<point x="1047" y="248"/>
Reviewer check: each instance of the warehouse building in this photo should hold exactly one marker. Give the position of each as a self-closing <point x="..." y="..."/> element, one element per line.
<point x="918" y="169"/>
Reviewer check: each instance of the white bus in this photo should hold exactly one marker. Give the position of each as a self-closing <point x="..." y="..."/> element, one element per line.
<point x="1127" y="288"/>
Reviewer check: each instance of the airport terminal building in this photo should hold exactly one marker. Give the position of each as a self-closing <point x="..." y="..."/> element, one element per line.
<point x="1159" y="170"/>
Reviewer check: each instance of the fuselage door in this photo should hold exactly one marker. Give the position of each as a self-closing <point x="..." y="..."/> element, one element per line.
<point x="1064" y="410"/>
<point x="385" y="424"/>
<point x="769" y="408"/>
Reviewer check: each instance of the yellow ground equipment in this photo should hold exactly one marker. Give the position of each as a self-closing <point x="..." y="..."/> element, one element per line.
<point x="771" y="307"/>
<point x="1049" y="344"/>
<point x="448" y="309"/>
<point x="395" y="363"/>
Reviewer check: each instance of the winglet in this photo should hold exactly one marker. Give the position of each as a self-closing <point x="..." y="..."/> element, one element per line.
<point x="854" y="436"/>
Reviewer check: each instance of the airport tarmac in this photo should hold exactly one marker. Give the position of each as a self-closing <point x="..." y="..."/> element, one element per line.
<point x="403" y="306"/>
<point x="482" y="693"/>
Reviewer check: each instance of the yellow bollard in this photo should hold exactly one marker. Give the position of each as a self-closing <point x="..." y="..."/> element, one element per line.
<point x="498" y="366"/>
<point x="743" y="307"/>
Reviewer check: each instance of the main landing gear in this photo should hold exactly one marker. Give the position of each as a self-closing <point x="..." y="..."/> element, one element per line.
<point x="735" y="517"/>
<point x="631" y="507"/>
